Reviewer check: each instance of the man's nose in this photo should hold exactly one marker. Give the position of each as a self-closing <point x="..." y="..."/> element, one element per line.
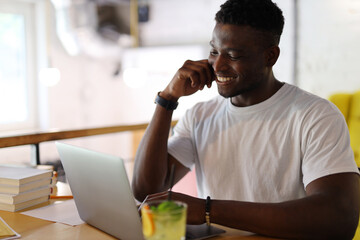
<point x="218" y="63"/>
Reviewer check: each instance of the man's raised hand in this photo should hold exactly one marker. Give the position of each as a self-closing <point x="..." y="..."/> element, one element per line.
<point x="191" y="77"/>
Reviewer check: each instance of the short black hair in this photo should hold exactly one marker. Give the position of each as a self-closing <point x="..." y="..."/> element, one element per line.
<point x="263" y="15"/>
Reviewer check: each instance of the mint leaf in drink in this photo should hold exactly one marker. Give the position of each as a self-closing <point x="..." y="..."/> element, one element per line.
<point x="168" y="211"/>
<point x="166" y="206"/>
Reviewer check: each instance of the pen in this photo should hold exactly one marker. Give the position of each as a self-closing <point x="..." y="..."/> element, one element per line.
<point x="61" y="197"/>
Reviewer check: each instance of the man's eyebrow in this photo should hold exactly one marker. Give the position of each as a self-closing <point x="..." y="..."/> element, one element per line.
<point x="235" y="50"/>
<point x="241" y="50"/>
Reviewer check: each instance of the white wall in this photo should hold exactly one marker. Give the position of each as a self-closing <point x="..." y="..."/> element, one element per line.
<point x="175" y="22"/>
<point x="329" y="49"/>
<point x="284" y="68"/>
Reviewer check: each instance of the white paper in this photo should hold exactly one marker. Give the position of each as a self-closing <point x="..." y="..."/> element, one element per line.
<point x="12" y="237"/>
<point x="63" y="212"/>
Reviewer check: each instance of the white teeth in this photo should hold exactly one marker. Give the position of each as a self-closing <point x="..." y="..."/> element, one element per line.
<point x="224" y="79"/>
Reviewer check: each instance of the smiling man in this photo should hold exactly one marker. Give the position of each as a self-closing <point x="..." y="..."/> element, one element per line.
<point x="270" y="158"/>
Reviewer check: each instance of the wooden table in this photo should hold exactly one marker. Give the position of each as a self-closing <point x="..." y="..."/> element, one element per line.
<point x="34" y="228"/>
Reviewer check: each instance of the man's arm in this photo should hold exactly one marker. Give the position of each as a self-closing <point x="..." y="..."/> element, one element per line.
<point x="329" y="211"/>
<point x="152" y="161"/>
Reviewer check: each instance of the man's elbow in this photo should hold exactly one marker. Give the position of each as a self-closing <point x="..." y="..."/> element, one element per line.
<point x="343" y="231"/>
<point x="350" y="224"/>
<point x="142" y="190"/>
<point x="137" y="191"/>
<point x="351" y="211"/>
<point x="347" y="223"/>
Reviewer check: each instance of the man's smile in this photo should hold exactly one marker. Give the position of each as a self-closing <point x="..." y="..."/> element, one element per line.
<point x="223" y="79"/>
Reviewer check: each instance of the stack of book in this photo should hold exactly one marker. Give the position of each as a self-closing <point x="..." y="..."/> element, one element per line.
<point x="23" y="187"/>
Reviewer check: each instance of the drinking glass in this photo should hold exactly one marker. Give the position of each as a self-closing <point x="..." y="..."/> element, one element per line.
<point x="164" y="220"/>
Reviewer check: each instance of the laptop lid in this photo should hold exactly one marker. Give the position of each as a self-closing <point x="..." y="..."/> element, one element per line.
<point x="101" y="191"/>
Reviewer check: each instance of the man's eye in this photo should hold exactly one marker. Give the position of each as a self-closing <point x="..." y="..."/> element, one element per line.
<point x="235" y="57"/>
<point x="213" y="53"/>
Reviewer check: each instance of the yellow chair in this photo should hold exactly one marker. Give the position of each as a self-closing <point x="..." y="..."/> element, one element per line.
<point x="349" y="105"/>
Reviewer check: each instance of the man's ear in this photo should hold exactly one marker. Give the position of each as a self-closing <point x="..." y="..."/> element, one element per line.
<point x="272" y="55"/>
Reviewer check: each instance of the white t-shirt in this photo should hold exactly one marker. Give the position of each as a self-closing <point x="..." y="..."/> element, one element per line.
<point x="266" y="152"/>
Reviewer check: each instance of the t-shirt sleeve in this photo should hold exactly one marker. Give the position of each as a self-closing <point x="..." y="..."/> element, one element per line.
<point x="180" y="144"/>
<point x="326" y="146"/>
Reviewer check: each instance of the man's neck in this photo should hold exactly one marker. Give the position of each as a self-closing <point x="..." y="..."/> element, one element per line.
<point x="258" y="95"/>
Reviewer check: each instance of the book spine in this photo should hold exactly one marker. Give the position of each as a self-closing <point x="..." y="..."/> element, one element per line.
<point x="22" y="197"/>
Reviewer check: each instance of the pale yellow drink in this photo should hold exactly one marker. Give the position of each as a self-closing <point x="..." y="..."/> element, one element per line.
<point x="163" y="220"/>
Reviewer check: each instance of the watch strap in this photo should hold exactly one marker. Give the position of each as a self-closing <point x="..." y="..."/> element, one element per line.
<point x="167" y="104"/>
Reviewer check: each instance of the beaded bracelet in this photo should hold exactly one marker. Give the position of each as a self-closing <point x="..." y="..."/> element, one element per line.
<point x="207" y="210"/>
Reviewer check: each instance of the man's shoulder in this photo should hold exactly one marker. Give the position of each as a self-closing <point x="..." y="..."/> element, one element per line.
<point x="309" y="103"/>
<point x="303" y="97"/>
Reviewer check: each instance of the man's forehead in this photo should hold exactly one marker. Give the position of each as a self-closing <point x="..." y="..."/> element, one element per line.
<point x="232" y="35"/>
<point x="231" y="30"/>
<point x="228" y="47"/>
<point x="236" y="36"/>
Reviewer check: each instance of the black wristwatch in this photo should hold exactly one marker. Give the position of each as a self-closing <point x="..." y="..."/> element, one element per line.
<point x="167" y="104"/>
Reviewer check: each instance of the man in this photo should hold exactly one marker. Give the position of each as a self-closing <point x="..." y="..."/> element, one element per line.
<point x="273" y="159"/>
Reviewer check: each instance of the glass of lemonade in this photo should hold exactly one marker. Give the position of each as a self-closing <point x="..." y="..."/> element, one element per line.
<point x="164" y="220"/>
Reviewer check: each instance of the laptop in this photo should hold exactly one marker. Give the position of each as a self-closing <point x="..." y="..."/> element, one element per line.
<point x="103" y="195"/>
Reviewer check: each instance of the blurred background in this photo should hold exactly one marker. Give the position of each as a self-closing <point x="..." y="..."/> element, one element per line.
<point x="73" y="64"/>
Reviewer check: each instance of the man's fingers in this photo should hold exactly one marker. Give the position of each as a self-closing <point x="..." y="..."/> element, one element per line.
<point x="209" y="72"/>
<point x="152" y="197"/>
<point x="156" y="196"/>
<point x="200" y="73"/>
<point x="191" y="77"/>
<point x="188" y="74"/>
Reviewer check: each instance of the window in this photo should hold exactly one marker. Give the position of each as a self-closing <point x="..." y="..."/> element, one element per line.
<point x="17" y="66"/>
